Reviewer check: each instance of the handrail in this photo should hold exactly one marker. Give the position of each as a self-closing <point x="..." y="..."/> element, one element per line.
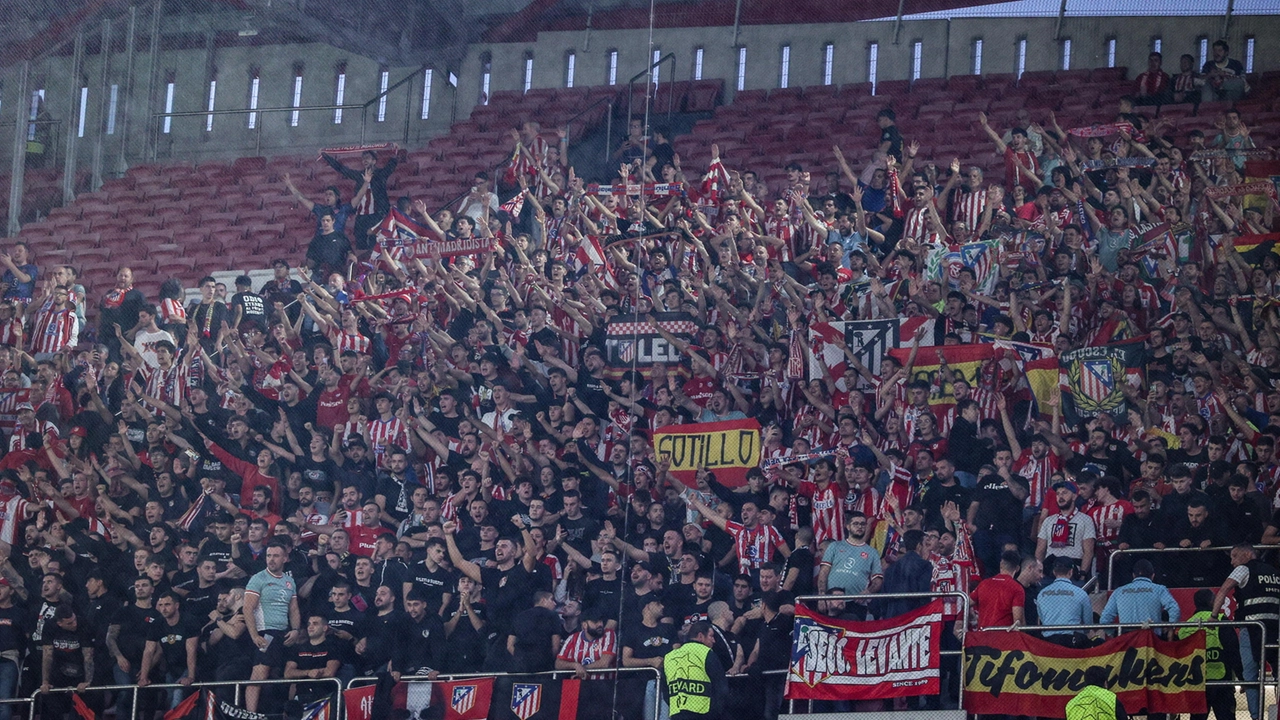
<point x="608" y="132"/>
<point x="337" y="683"/>
<point x="398" y="83"/>
<point x="1111" y="560"/>
<point x="671" y="97"/>
<point x="657" y="711"/>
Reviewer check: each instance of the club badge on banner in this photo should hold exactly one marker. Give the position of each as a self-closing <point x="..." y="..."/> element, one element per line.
<point x="844" y="660"/>
<point x="1012" y="673"/>
<point x="729" y="449"/>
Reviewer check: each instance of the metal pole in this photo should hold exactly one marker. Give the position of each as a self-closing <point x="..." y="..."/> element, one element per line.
<point x="21" y="109"/>
<point x="73" y="125"/>
<point x="151" y="140"/>
<point x="897" y="26"/>
<point x="608" y="134"/>
<point x="130" y="39"/>
<point x="104" y="58"/>
<point x="1062" y="13"/>
<point x="1226" y="19"/>
<point x="737" y="17"/>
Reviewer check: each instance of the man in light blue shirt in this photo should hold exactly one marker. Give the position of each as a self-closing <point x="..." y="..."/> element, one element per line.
<point x="1141" y="600"/>
<point x="1062" y="603"/>
<point x="718" y="408"/>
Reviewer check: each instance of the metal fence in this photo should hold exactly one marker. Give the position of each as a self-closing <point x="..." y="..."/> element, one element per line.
<point x="33" y="701"/>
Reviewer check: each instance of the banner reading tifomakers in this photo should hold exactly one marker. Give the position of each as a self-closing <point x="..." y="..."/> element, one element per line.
<point x="843" y="660"/>
<point x="729" y="449"/>
<point x="1012" y="673"/>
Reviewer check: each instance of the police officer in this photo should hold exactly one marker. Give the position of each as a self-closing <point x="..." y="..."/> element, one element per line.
<point x="1222" y="658"/>
<point x="1257" y="594"/>
<point x="694" y="677"/>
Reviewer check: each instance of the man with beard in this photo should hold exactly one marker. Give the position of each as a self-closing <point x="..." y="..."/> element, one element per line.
<point x="851" y="563"/>
<point x="425" y="646"/>
<point x="395" y="488"/>
<point x="1067" y="534"/>
<point x="506" y="585"/>
<point x="171" y="644"/>
<point x="997" y="515"/>
<point x="382" y="636"/>
<point x="591" y="648"/>
<point x="1256" y="587"/>
<point x="1195" y="529"/>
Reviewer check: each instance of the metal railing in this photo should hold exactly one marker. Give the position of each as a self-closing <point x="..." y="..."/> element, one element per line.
<point x="1111" y="560"/>
<point x="551" y="674"/>
<point x="671" y="96"/>
<point x="608" y="133"/>
<point x="195" y="686"/>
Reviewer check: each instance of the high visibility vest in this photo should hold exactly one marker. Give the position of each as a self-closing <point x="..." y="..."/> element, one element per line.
<point x="1214" y="668"/>
<point x="1092" y="703"/>
<point x="688" y="685"/>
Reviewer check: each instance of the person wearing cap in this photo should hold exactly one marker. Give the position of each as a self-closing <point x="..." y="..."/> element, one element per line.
<point x="1068" y="533"/>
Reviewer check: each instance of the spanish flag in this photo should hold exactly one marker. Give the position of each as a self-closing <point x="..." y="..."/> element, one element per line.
<point x="965" y="361"/>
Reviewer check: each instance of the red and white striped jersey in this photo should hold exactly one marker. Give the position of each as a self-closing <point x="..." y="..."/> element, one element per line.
<point x="343" y="341"/>
<point x="583" y="650"/>
<point x="53" y="330"/>
<point x="968" y="207"/>
<point x="18" y="441"/>
<point x="10" y="332"/>
<point x="165" y="385"/>
<point x="172" y="312"/>
<point x="1038" y="472"/>
<point x="826" y="511"/>
<point x="383" y="434"/>
<point x="754" y="546"/>
<point x="13" y="510"/>
<point x="1107" y="519"/>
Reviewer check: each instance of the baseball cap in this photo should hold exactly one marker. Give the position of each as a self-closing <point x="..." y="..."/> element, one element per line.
<point x="1068" y="485"/>
<point x="25" y="406"/>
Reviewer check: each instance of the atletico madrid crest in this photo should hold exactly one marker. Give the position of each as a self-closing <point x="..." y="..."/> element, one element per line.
<point x="464" y="698"/>
<point x="526" y="699"/>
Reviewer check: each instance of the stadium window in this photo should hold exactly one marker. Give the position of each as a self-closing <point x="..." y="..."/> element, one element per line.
<point x="1066" y="53"/>
<point x="213" y="93"/>
<point x="384" y="80"/>
<point x="254" y="83"/>
<point x="873" y="62"/>
<point x="1022" y="57"/>
<point x="168" y="102"/>
<point x="1248" y="54"/>
<point x="1157" y="44"/>
<point x="340" y="92"/>
<point x="742" y="69"/>
<point x="427" y="76"/>
<point x="784" y="67"/>
<point x="697" y="63"/>
<point x="828" y="62"/>
<point x="1111" y="52"/>
<point x="917" y="59"/>
<point x="1203" y="42"/>
<point x="612" y="78"/>
<point x="977" y="56"/>
<point x="84" y="105"/>
<point x="528" y="71"/>
<point x="657" y="55"/>
<point x="113" y="105"/>
<point x="570" y="65"/>
<point x="486" y="74"/>
<point x="37" y="99"/>
<point x="296" y="100"/>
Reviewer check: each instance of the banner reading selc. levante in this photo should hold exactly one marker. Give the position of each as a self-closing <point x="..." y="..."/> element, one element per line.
<point x="844" y="660"/>
<point x="1012" y="673"/>
<point x="729" y="449"/>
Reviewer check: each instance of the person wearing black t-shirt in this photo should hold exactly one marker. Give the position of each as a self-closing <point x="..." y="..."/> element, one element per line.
<point x="202" y="595"/>
<point x="171" y="645"/>
<point x="11" y="645"/>
<point x="66" y="661"/>
<point x="319" y="657"/>
<point x="424" y="635"/>
<point x="343" y="621"/>
<point x="797" y="575"/>
<point x="127" y="639"/>
<point x="645" y="643"/>
<point x="505" y="587"/>
<point x="228" y="650"/>
<point x="466" y="628"/>
<point x="535" y="636"/>
<point x="432" y="577"/>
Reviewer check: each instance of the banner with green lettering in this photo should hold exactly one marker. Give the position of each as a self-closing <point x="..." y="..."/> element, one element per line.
<point x="1013" y="673"/>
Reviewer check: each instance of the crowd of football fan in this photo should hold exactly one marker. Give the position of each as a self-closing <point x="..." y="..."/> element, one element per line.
<point x="385" y="461"/>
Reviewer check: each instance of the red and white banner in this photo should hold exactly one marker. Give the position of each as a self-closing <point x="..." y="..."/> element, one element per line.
<point x="845" y="660"/>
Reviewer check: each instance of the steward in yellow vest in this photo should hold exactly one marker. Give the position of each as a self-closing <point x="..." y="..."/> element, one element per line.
<point x="694" y="678"/>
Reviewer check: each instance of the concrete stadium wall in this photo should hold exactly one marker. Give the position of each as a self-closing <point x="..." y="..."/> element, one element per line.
<point x="946" y="45"/>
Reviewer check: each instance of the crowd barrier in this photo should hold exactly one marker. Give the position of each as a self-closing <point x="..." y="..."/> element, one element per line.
<point x="618" y="673"/>
<point x="34" y="700"/>
<point x="29" y="705"/>
<point x="1111" y="560"/>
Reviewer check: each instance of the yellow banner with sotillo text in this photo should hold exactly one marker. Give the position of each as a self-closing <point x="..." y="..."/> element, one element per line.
<point x="728" y="449"/>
